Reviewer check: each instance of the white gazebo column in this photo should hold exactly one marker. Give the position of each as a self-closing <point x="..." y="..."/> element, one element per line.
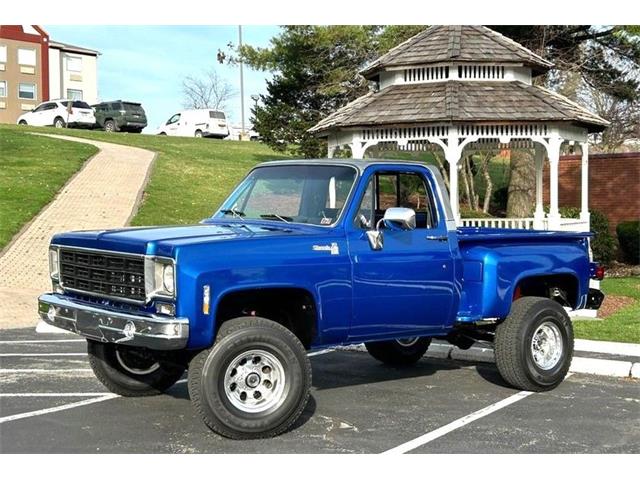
<point x="538" y="216"/>
<point x="584" y="190"/>
<point x="554" y="160"/>
<point x="357" y="149"/>
<point x="453" y="157"/>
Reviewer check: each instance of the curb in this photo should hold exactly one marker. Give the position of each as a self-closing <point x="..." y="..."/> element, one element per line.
<point x="591" y="366"/>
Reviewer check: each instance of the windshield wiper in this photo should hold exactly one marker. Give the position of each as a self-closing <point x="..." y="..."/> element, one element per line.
<point x="275" y="216"/>
<point x="233" y="211"/>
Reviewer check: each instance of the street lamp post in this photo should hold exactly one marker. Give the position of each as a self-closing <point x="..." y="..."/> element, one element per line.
<point x="242" y="131"/>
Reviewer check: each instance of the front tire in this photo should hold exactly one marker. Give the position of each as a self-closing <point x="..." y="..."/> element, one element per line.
<point x="22" y="122"/>
<point x="198" y="134"/>
<point x="254" y="382"/>
<point x="534" y="344"/>
<point x="110" y="126"/>
<point x="131" y="372"/>
<point x="59" y="122"/>
<point x="400" y="352"/>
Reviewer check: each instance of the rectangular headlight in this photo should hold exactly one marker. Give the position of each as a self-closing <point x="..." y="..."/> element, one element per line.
<point x="54" y="263"/>
<point x="160" y="277"/>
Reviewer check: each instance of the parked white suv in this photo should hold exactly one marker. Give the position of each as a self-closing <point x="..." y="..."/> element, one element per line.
<point x="196" y="123"/>
<point x="59" y="113"/>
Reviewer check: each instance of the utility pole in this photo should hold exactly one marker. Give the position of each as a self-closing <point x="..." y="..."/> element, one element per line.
<point x="242" y="131"/>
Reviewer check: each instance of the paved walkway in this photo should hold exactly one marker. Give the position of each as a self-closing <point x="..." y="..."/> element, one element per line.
<point x="103" y="194"/>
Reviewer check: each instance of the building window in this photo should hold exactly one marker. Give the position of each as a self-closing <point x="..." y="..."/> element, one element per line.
<point x="27" y="91"/>
<point x="27" y="56"/>
<point x="3" y="54"/>
<point x="3" y="88"/>
<point x="74" y="94"/>
<point x="74" y="64"/>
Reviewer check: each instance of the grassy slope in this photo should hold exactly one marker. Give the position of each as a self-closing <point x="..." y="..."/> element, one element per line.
<point x="622" y="326"/>
<point x="32" y="171"/>
<point x="191" y="176"/>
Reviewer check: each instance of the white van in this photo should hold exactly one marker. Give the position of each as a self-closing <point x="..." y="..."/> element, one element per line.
<point x="196" y="123"/>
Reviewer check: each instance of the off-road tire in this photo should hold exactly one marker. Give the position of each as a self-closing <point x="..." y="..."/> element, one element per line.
<point x="207" y="371"/>
<point x="59" y="122"/>
<point x="110" y="372"/>
<point x="513" y="344"/>
<point x="391" y="352"/>
<point x="110" y="126"/>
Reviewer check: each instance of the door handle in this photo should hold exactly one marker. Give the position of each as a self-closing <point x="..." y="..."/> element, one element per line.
<point x="441" y="238"/>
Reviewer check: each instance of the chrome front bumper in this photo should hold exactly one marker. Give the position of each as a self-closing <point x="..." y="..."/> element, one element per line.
<point x="151" y="331"/>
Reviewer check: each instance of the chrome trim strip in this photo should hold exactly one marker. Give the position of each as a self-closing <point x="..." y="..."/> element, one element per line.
<point x="138" y="330"/>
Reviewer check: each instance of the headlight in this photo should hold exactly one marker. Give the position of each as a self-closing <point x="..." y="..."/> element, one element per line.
<point x="160" y="278"/>
<point x="54" y="264"/>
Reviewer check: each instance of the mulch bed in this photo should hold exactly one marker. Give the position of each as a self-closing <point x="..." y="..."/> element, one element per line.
<point x="613" y="303"/>
<point x="618" y="269"/>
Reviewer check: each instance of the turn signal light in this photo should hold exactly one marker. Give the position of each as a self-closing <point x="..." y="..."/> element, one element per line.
<point x="599" y="273"/>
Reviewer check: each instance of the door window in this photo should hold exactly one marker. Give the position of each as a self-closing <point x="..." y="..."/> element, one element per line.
<point x="396" y="189"/>
<point x="174" y="119"/>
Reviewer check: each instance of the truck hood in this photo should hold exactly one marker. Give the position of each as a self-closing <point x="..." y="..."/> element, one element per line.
<point x="163" y="241"/>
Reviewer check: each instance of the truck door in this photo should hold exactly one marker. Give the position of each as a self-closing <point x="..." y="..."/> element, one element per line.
<point x="407" y="287"/>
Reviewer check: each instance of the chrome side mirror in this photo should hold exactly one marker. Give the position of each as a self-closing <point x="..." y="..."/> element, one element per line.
<point x="403" y="218"/>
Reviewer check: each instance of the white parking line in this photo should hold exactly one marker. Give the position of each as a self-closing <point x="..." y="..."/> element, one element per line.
<point x="68" y="406"/>
<point x="47" y="395"/>
<point x="461" y="422"/>
<point x="8" y="342"/>
<point x="43" y="354"/>
<point x="43" y="370"/>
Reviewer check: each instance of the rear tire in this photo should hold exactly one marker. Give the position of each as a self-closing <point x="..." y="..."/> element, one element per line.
<point x="131" y="372"/>
<point x="254" y="382"/>
<point x="198" y="134"/>
<point x="400" y="352"/>
<point x="59" y="122"/>
<point x="534" y="344"/>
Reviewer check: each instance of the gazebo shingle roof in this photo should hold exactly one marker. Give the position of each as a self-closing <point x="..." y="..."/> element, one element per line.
<point x="457" y="43"/>
<point x="458" y="101"/>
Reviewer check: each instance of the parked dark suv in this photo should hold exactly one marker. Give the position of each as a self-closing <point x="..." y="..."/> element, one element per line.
<point x="119" y="115"/>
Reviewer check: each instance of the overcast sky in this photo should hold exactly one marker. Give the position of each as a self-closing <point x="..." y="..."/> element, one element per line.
<point x="147" y="63"/>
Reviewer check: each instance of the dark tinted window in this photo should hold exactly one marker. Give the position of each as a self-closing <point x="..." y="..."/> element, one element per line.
<point x="77" y="104"/>
<point x="133" y="107"/>
<point x="115" y="106"/>
<point x="218" y="115"/>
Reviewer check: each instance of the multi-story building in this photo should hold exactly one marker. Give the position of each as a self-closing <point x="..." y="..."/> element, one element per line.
<point x="34" y="69"/>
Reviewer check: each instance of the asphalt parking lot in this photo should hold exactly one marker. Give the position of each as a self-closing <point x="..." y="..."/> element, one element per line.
<point x="51" y="402"/>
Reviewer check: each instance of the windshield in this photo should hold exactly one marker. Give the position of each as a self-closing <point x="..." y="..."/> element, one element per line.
<point x="313" y="194"/>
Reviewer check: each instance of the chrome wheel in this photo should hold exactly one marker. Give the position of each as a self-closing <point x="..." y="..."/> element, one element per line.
<point x="138" y="363"/>
<point x="407" y="342"/>
<point x="254" y="382"/>
<point x="547" y="345"/>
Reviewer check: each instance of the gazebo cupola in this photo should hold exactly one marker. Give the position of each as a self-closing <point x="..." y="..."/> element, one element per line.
<point x="466" y="88"/>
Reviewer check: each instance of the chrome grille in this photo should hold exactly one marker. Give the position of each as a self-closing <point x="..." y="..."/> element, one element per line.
<point x="103" y="274"/>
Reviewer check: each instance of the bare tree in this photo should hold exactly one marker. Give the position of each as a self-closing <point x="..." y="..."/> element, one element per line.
<point x="624" y="116"/>
<point x="207" y="91"/>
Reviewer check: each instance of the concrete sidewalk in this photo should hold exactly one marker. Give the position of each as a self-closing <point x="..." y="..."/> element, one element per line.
<point x="104" y="194"/>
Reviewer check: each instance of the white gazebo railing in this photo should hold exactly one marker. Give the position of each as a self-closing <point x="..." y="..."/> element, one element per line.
<point x="566" y="224"/>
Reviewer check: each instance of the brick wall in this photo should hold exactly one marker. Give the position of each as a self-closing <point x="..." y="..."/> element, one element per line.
<point x="614" y="184"/>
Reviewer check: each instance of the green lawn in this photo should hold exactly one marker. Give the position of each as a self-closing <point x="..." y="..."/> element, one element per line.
<point x="190" y="177"/>
<point x="32" y="171"/>
<point x="622" y="326"/>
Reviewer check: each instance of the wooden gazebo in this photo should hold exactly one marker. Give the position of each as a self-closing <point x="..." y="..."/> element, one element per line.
<point x="460" y="89"/>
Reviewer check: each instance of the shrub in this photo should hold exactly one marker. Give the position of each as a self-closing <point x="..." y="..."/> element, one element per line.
<point x="629" y="239"/>
<point x="603" y="244"/>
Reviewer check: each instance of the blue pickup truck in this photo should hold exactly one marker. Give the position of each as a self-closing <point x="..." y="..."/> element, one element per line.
<point x="308" y="254"/>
